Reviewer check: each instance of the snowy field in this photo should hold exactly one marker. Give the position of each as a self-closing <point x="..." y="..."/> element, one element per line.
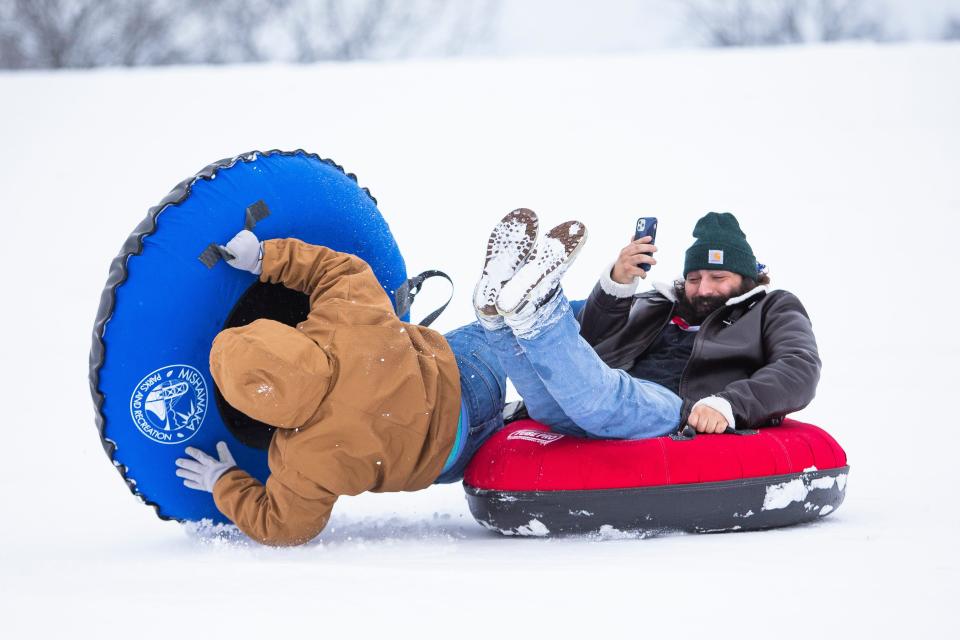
<point x="843" y="166"/>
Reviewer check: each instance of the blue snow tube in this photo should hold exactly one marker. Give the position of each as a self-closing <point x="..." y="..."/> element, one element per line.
<point x="162" y="307"/>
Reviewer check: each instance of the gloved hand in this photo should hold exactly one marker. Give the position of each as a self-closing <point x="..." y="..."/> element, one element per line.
<point x="202" y="472"/>
<point x="248" y="251"/>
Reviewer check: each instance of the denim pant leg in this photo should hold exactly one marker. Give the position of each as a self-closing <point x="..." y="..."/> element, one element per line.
<point x="540" y="405"/>
<point x="483" y="386"/>
<point x="605" y="402"/>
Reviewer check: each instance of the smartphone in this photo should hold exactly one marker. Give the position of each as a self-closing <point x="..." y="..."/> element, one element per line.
<point x="646" y="227"/>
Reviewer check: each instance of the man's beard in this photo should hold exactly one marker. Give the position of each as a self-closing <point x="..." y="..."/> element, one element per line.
<point x="695" y="310"/>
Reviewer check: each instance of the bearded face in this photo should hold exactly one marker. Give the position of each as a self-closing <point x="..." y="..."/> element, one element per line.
<point x="703" y="292"/>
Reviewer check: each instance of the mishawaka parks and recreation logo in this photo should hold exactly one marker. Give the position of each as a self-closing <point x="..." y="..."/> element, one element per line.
<point x="169" y="404"/>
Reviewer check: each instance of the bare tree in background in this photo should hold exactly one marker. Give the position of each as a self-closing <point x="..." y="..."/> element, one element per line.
<point x="225" y="31"/>
<point x="348" y="29"/>
<point x="315" y="30"/>
<point x="726" y="23"/>
<point x="951" y="30"/>
<point x="732" y="23"/>
<point x="48" y="33"/>
<point x="89" y="33"/>
<point x="143" y="32"/>
<point x="833" y="20"/>
<point x="86" y="33"/>
<point x="475" y="21"/>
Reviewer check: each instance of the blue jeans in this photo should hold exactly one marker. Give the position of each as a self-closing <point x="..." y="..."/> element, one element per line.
<point x="483" y="385"/>
<point x="566" y="386"/>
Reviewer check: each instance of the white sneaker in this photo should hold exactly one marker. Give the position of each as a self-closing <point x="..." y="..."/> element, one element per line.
<point x="510" y="244"/>
<point x="539" y="278"/>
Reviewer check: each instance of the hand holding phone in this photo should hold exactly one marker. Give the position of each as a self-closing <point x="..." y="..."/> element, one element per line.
<point x="646" y="227"/>
<point x="636" y="258"/>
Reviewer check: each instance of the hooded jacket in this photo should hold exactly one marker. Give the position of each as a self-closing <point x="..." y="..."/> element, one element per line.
<point x="758" y="352"/>
<point x="362" y="400"/>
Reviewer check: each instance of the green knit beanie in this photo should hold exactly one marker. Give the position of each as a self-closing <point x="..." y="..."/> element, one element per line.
<point x="720" y="246"/>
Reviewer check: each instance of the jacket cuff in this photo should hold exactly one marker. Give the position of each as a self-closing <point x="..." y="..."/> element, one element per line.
<point x="266" y="251"/>
<point x="224" y="475"/>
<point x="257" y="270"/>
<point x="719" y="404"/>
<point x="616" y="289"/>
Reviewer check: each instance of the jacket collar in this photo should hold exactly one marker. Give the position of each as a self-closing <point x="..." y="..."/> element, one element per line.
<point x="749" y="294"/>
<point x="667" y="290"/>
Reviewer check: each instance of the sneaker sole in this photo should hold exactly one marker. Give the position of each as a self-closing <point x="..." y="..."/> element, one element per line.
<point x="487" y="291"/>
<point x="513" y="301"/>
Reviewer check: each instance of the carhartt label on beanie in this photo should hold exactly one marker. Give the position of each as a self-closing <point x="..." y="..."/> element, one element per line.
<point x="720" y="245"/>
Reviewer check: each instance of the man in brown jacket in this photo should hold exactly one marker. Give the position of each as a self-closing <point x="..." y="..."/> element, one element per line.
<point x="361" y="400"/>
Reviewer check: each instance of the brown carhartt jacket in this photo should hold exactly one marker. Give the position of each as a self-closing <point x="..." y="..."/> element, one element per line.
<point x="363" y="401"/>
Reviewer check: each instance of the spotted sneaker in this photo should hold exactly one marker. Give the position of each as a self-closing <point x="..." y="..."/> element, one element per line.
<point x="539" y="278"/>
<point x="510" y="244"/>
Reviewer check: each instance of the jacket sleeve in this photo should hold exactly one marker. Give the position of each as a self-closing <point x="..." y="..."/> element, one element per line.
<point x="606" y="310"/>
<point x="337" y="283"/>
<point x="788" y="381"/>
<point x="274" y="514"/>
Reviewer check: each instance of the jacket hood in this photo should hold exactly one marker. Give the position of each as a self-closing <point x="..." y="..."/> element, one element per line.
<point x="271" y="372"/>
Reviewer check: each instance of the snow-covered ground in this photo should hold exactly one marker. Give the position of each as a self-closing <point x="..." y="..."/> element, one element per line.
<point x="842" y="165"/>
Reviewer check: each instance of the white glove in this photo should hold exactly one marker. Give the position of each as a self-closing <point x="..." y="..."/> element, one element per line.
<point x="248" y="251"/>
<point x="202" y="472"/>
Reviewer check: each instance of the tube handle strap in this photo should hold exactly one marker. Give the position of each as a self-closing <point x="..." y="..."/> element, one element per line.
<point x="689" y="433"/>
<point x="406" y="292"/>
<point x="215" y="252"/>
<point x="255" y="213"/>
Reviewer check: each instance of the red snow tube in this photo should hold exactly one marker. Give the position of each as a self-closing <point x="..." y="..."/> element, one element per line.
<point x="527" y="480"/>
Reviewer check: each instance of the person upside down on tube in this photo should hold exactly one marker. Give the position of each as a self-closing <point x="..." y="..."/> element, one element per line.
<point x="361" y="401"/>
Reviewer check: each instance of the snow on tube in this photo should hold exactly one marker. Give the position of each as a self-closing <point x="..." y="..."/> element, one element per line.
<point x="162" y="307"/>
<point x="527" y="480"/>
